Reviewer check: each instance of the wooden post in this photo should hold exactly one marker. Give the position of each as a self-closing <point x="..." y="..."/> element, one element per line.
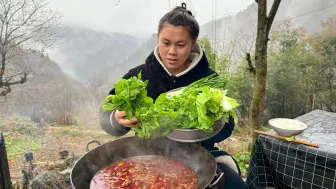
<point x="5" y="182"/>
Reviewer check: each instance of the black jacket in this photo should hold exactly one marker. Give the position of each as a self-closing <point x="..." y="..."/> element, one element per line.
<point x="160" y="81"/>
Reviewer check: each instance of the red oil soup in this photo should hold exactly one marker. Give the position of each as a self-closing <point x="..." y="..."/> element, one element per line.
<point x="145" y="172"/>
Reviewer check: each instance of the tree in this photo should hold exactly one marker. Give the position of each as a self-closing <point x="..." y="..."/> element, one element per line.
<point x="324" y="46"/>
<point x="218" y="60"/>
<point x="240" y="88"/>
<point x="23" y="23"/>
<point x="290" y="73"/>
<point x="260" y="69"/>
<point x="301" y="70"/>
<point x="209" y="51"/>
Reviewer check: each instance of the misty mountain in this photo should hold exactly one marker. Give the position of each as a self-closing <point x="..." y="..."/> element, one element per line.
<point x="48" y="90"/>
<point x="97" y="59"/>
<point x="243" y="22"/>
<point x="301" y="11"/>
<point x="87" y="54"/>
<point x="84" y="53"/>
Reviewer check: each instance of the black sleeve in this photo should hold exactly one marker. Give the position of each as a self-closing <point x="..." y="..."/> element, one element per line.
<point x="106" y="118"/>
<point x="225" y="133"/>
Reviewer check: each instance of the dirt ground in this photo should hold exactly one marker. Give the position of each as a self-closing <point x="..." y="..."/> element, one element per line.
<point x="238" y="142"/>
<point x="51" y="140"/>
<point x="45" y="142"/>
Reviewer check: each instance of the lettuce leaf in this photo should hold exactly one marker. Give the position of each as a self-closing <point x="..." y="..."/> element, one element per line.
<point x="197" y="106"/>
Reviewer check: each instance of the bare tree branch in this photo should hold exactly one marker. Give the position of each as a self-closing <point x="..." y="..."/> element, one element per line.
<point x="271" y="15"/>
<point x="22" y="80"/>
<point x="250" y="65"/>
<point x="21" y="7"/>
<point x="246" y="48"/>
<point x="245" y="44"/>
<point x="7" y="85"/>
<point x="8" y="78"/>
<point x="6" y="91"/>
<point x="23" y="22"/>
<point x="253" y="38"/>
<point x="233" y="46"/>
<point x="3" y="66"/>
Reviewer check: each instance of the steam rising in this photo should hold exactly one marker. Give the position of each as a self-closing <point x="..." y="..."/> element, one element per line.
<point x="193" y="155"/>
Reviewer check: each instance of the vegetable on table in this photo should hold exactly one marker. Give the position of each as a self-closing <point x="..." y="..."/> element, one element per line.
<point x="196" y="106"/>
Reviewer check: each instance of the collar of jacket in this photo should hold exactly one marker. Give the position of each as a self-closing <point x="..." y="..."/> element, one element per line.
<point x="199" y="63"/>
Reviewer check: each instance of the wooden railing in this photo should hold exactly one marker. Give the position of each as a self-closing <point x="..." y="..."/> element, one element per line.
<point x="5" y="182"/>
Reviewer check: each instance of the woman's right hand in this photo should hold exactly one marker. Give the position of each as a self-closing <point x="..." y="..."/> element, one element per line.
<point x="120" y="117"/>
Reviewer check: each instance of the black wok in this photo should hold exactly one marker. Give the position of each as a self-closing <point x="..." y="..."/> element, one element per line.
<point x="194" y="155"/>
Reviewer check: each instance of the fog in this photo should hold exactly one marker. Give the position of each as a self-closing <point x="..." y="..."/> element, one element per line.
<point x="138" y="16"/>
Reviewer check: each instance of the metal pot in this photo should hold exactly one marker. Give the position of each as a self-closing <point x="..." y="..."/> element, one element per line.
<point x="193" y="155"/>
<point x="192" y="135"/>
<point x="195" y="135"/>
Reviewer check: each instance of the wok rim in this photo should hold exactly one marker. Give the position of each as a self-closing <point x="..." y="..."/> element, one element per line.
<point x="82" y="158"/>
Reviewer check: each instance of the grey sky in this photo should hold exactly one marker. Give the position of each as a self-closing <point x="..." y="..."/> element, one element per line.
<point x="104" y="15"/>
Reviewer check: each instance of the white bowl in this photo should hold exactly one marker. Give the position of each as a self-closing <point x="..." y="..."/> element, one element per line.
<point x="287" y="127"/>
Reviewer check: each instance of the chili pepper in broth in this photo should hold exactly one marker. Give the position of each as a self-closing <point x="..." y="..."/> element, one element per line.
<point x="146" y="172"/>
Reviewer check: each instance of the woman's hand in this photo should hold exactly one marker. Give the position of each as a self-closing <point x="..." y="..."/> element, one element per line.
<point x="120" y="117"/>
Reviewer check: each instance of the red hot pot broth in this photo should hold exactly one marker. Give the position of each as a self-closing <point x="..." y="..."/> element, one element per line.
<point x="146" y="172"/>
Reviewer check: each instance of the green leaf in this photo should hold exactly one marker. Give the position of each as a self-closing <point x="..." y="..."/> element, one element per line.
<point x="263" y="128"/>
<point x="197" y="106"/>
<point x="229" y="103"/>
<point x="291" y="138"/>
<point x="108" y="107"/>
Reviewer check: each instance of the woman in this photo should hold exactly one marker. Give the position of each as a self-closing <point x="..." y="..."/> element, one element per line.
<point x="177" y="61"/>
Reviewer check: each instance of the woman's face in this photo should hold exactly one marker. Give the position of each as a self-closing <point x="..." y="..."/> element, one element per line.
<point x="174" y="45"/>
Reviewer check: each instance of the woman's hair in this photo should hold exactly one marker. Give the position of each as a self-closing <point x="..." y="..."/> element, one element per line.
<point x="180" y="16"/>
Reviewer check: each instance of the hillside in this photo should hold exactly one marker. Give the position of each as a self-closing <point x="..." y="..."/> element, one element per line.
<point x="48" y="95"/>
<point x="243" y="22"/>
<point x="301" y="11"/>
<point x="83" y="53"/>
<point x="99" y="57"/>
<point x="138" y="57"/>
<point x="66" y="83"/>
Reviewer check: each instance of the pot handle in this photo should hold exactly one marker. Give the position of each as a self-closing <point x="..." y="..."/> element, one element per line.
<point x="220" y="175"/>
<point x="91" y="142"/>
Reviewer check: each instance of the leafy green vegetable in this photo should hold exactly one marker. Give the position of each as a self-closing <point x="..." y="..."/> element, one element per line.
<point x="131" y="96"/>
<point x="197" y="106"/>
<point x="291" y="138"/>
